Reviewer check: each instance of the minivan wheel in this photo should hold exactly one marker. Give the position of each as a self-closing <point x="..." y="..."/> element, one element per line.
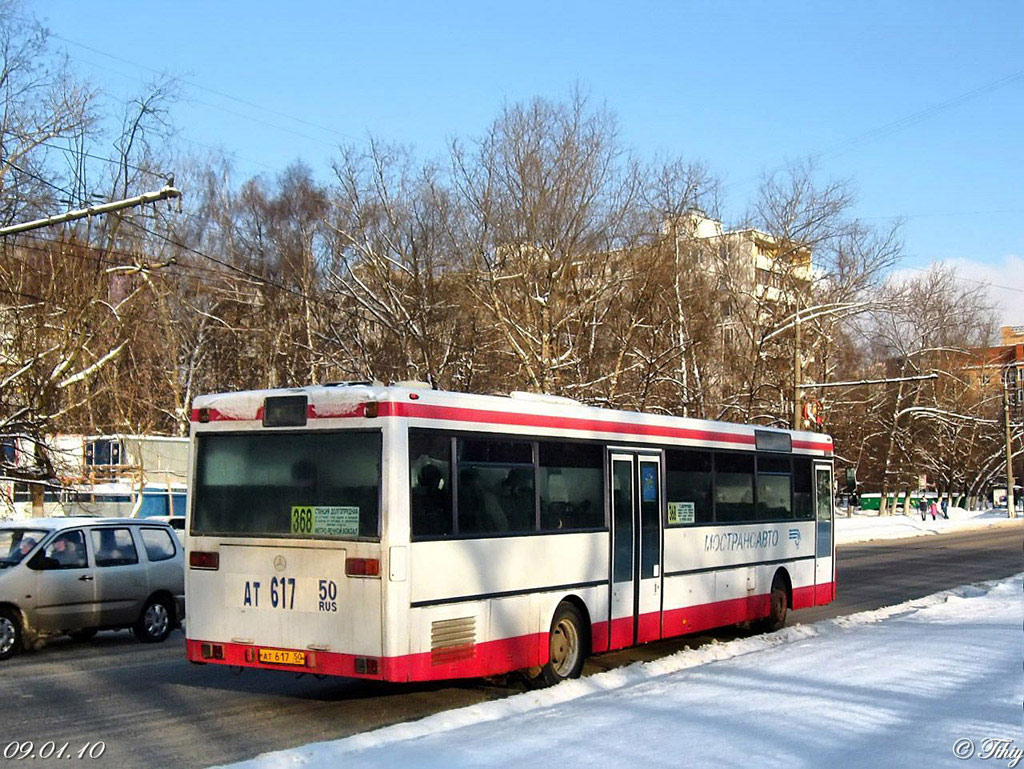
<point x="10" y="634"/>
<point x="155" y="622"/>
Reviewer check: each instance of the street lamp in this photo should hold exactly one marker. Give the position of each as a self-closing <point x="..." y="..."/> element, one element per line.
<point x="1011" y="505"/>
<point x="794" y="321"/>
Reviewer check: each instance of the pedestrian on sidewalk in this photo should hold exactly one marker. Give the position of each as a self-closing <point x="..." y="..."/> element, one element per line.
<point x="933" y="509"/>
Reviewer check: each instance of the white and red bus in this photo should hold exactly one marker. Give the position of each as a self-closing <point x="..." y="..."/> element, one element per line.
<point x="407" y="534"/>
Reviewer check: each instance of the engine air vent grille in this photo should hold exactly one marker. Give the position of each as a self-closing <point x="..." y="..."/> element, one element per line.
<point x="452" y="640"/>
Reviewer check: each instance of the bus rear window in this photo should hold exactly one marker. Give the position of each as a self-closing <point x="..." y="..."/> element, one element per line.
<point x="306" y="485"/>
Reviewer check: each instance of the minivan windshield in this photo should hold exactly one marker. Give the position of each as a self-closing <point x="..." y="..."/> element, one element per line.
<point x="15" y="544"/>
<point x="322" y="485"/>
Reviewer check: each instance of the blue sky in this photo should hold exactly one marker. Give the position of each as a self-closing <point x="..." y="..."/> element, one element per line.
<point x="743" y="86"/>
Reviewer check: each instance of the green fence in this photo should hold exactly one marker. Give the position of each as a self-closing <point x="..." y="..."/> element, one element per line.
<point x="873" y="501"/>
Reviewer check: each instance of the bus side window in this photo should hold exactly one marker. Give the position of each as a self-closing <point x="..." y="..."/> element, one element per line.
<point x="802" y="504"/>
<point x="774" y="488"/>
<point x="734" y="487"/>
<point x="430" y="487"/>
<point x="571" y="486"/>
<point x="496" y="486"/>
<point x="689" y="485"/>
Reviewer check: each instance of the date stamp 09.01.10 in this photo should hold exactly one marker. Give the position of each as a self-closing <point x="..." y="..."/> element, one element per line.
<point x="52" y="749"/>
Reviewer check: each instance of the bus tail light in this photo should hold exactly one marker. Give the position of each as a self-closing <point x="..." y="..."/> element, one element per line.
<point x="362" y="567"/>
<point x="367" y="666"/>
<point x="211" y="651"/>
<point x="198" y="559"/>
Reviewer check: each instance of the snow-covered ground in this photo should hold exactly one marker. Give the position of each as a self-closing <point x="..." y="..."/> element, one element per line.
<point x="930" y="682"/>
<point x="862" y="527"/>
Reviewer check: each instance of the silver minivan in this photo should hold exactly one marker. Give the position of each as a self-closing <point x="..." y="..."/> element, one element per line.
<point x="80" y="575"/>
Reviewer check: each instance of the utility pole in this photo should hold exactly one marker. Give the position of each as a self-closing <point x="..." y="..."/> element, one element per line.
<point x="1011" y="508"/>
<point x="797" y="370"/>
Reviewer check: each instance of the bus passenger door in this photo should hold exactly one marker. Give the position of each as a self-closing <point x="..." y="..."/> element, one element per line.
<point x="636" y="548"/>
<point x="824" y="547"/>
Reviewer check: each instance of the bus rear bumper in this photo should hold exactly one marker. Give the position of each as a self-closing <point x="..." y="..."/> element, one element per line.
<point x="472" y="661"/>
<point x="301" y="661"/>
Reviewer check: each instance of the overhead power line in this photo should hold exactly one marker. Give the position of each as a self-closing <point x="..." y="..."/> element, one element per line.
<point x="921" y="115"/>
<point x="243" y="272"/>
<point x="900" y="123"/>
<point x="985" y="283"/>
<point x="213" y="91"/>
<point x="93" y="156"/>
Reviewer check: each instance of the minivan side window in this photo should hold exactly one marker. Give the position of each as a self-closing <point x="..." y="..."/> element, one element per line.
<point x="158" y="544"/>
<point x="65" y="551"/>
<point x="114" y="547"/>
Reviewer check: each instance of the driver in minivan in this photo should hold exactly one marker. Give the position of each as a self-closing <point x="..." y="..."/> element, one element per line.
<point x="65" y="551"/>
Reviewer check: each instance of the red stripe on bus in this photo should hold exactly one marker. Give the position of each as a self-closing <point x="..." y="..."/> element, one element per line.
<point x="824" y="594"/>
<point x="803" y="597"/>
<point x="215" y="416"/>
<point x="483" y="659"/>
<point x="611" y="636"/>
<point x="353" y="410"/>
<point x="507" y="654"/>
<point x="648" y="628"/>
<point x="458" y="414"/>
<point x="814" y="445"/>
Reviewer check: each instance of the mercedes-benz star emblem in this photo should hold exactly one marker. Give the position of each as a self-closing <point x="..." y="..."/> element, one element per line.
<point x="280" y="563"/>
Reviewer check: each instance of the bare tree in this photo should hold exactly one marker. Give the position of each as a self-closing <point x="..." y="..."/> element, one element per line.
<point x="44" y="114"/>
<point x="397" y="285"/>
<point x="793" y="279"/>
<point x="931" y="322"/>
<point x="544" y="197"/>
<point x="673" y="191"/>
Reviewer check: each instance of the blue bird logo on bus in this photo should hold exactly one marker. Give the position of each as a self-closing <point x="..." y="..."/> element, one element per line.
<point x="794" y="537"/>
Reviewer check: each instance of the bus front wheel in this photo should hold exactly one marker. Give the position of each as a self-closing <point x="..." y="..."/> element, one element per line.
<point x="565" y="646"/>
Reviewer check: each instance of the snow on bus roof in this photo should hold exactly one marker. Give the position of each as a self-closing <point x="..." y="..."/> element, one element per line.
<point x="540" y="413"/>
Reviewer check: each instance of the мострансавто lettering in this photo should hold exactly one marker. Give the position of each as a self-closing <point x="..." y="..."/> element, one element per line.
<point x="733" y="540"/>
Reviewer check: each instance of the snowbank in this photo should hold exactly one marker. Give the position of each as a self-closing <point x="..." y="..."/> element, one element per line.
<point x="865" y="527"/>
<point x="892" y="687"/>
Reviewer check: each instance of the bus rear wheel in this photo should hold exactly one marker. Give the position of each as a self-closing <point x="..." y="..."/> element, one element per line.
<point x="778" y="607"/>
<point x="566" y="653"/>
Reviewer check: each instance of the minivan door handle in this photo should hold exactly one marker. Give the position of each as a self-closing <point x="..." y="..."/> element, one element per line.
<point x="85" y="578"/>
